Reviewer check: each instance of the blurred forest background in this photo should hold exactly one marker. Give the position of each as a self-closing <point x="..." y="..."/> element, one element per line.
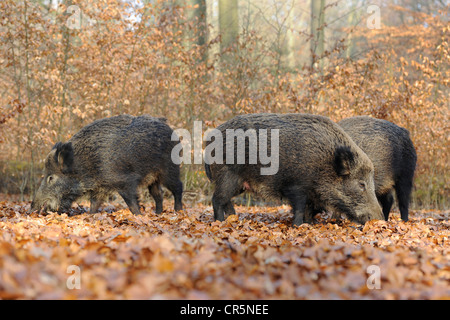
<point x="66" y="63"/>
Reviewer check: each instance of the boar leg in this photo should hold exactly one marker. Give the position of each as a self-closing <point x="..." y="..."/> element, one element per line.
<point x="403" y="189"/>
<point x="220" y="211"/>
<point x="131" y="199"/>
<point x="172" y="181"/>
<point x="176" y="187"/>
<point x="226" y="189"/>
<point x="156" y="193"/>
<point x="95" y="204"/>
<point x="386" y="201"/>
<point x="218" y="208"/>
<point x="298" y="208"/>
<point x="309" y="213"/>
<point x="298" y="202"/>
<point x="229" y="208"/>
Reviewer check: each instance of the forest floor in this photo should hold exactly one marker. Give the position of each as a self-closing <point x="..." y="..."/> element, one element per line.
<point x="255" y="254"/>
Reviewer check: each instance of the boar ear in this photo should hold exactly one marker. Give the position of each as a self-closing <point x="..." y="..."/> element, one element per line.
<point x="344" y="160"/>
<point x="64" y="156"/>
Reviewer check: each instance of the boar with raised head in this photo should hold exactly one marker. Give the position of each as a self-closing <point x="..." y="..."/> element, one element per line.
<point x="117" y="154"/>
<point x="318" y="165"/>
<point x="393" y="156"/>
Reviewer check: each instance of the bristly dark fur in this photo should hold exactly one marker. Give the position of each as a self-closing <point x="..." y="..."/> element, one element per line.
<point x="116" y="154"/>
<point x="393" y="155"/>
<point x="319" y="165"/>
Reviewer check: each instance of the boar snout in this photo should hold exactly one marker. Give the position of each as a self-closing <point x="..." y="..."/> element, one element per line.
<point x="375" y="213"/>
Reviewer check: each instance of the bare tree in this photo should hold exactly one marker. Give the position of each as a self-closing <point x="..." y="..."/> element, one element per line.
<point x="317" y="32"/>
<point x="228" y="22"/>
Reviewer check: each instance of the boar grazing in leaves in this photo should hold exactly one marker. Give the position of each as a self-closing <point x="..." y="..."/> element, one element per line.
<point x="117" y="154"/>
<point x="393" y="156"/>
<point x="318" y="166"/>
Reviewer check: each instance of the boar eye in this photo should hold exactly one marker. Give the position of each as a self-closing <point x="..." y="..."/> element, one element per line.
<point x="50" y="179"/>
<point x="362" y="185"/>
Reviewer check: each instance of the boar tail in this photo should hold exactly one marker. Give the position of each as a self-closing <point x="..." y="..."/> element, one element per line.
<point x="208" y="171"/>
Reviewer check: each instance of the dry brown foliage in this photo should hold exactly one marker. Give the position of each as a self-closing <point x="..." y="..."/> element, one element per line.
<point x="255" y="254"/>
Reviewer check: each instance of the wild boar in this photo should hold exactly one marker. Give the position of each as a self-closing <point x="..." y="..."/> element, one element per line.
<point x="393" y="156"/>
<point x="318" y="165"/>
<point x="116" y="154"/>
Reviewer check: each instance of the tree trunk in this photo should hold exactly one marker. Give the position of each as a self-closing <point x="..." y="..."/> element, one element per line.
<point x="228" y="22"/>
<point x="201" y="24"/>
<point x="317" y="32"/>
